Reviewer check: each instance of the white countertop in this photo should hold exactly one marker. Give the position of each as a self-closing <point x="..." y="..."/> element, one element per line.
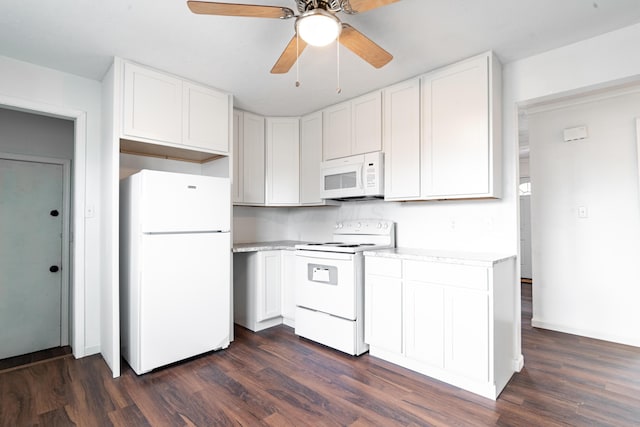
<point x="452" y="257"/>
<point x="266" y="246"/>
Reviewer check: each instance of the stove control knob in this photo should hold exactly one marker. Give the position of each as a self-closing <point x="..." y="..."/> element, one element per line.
<point x="339" y="225"/>
<point x="379" y="225"/>
<point x="358" y="225"/>
<point x="386" y="225"/>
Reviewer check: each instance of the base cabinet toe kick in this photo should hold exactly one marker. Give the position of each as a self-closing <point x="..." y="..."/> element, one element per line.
<point x="452" y="319"/>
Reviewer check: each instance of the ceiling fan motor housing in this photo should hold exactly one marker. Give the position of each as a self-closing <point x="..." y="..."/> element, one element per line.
<point x="333" y="6"/>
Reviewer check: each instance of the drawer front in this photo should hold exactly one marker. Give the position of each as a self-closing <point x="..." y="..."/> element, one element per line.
<point x="331" y="331"/>
<point x="379" y="266"/>
<point x="464" y="276"/>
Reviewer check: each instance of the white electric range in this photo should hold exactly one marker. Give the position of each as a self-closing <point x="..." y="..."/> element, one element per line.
<point x="330" y="284"/>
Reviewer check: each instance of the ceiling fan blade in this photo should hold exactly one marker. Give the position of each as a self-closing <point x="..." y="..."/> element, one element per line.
<point x="362" y="46"/>
<point x="359" y="6"/>
<point x="289" y="56"/>
<point x="233" y="9"/>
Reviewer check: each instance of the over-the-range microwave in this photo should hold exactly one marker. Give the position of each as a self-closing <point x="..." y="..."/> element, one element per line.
<point x="360" y="176"/>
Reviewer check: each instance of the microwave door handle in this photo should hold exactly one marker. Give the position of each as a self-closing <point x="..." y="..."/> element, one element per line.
<point x="362" y="177"/>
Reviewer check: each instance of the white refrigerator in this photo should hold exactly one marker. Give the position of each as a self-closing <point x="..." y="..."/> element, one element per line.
<point x="175" y="264"/>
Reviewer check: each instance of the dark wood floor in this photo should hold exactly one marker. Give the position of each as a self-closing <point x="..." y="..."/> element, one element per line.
<point x="23" y="360"/>
<point x="276" y="378"/>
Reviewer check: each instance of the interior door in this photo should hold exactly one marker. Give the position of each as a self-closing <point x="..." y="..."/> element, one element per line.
<point x="30" y="256"/>
<point x="525" y="237"/>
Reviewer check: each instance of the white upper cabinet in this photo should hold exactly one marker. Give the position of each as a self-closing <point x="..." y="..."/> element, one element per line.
<point x="236" y="177"/>
<point x="252" y="159"/>
<point x="310" y="158"/>
<point x="402" y="141"/>
<point x="162" y="109"/>
<point x="283" y="161"/>
<point x="152" y="105"/>
<point x="336" y="137"/>
<point x="366" y="123"/>
<point x="205" y="118"/>
<point x="460" y="130"/>
<point x="353" y="127"/>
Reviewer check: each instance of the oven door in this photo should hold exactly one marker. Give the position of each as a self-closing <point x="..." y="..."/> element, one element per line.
<point x="326" y="281"/>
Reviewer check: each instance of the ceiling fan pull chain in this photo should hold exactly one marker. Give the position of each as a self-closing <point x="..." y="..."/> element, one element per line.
<point x="338" y="89"/>
<point x="297" y="60"/>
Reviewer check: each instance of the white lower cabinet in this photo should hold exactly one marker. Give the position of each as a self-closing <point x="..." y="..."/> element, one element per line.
<point x="424" y="323"/>
<point x="466" y="344"/>
<point x="263" y="287"/>
<point x="383" y="314"/>
<point x="256" y="289"/>
<point x="453" y="321"/>
<point x="268" y="286"/>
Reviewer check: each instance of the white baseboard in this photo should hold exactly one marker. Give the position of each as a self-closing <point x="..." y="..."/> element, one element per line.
<point x="89" y="351"/>
<point x="518" y="363"/>
<point x="598" y="335"/>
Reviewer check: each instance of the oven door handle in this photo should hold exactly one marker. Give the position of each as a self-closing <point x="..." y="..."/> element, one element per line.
<point x="322" y="274"/>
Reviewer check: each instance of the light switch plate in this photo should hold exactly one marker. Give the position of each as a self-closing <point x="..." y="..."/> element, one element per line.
<point x="582" y="212"/>
<point x="576" y="133"/>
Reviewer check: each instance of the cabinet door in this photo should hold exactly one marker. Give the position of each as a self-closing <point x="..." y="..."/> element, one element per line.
<point x="424" y="319"/>
<point x="310" y="158"/>
<point x="152" y="105"/>
<point x="237" y="156"/>
<point x="269" y="297"/>
<point x="366" y="123"/>
<point x="383" y="313"/>
<point x="456" y="130"/>
<point x="402" y="141"/>
<point x="288" y="261"/>
<point x="252" y="148"/>
<point x="283" y="161"/>
<point x="205" y="118"/>
<point x="467" y="333"/>
<point x="336" y="135"/>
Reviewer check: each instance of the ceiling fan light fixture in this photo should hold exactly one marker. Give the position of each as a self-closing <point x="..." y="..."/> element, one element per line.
<point x="318" y="27"/>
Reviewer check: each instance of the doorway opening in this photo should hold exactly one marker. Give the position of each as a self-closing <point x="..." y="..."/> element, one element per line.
<point x="36" y="154"/>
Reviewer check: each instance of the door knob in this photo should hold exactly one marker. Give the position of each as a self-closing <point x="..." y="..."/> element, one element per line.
<point x="54" y="212"/>
<point x="54" y="269"/>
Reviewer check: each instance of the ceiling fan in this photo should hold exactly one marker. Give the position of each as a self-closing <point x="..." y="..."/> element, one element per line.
<point x="316" y="24"/>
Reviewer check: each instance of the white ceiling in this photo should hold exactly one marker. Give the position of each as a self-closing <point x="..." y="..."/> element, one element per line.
<point x="236" y="54"/>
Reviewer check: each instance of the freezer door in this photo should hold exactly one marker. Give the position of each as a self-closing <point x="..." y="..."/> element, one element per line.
<point x="185" y="296"/>
<point x="173" y="202"/>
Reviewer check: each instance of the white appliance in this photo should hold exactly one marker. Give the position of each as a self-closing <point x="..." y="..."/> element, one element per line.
<point x="359" y="176"/>
<point x="330" y="284"/>
<point x="175" y="263"/>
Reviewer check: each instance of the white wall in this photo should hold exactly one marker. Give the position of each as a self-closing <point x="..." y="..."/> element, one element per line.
<point x="35" y="135"/>
<point x="261" y="224"/>
<point x="27" y="83"/>
<point x="595" y="63"/>
<point x="586" y="269"/>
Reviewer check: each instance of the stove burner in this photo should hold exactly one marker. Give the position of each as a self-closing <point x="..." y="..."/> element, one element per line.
<point x="348" y="246"/>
